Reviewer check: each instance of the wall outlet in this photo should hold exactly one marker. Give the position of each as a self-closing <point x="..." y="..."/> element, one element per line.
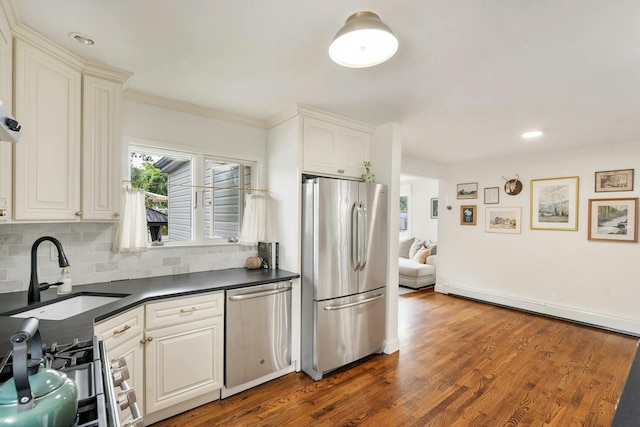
<point x="554" y="297"/>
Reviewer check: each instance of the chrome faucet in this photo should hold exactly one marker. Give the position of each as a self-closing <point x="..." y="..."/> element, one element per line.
<point x="34" y="286"/>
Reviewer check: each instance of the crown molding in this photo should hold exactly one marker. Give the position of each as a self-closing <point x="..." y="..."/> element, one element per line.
<point x="107" y="73"/>
<point x="307" y="111"/>
<point x="186" y="107"/>
<point x="40" y="42"/>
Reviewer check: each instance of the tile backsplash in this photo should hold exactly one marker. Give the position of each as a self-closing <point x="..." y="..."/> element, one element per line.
<point x="88" y="249"/>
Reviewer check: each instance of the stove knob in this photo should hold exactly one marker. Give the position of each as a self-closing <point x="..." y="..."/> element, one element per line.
<point x="119" y="375"/>
<point x="138" y="422"/>
<point x="118" y="363"/>
<point x="126" y="398"/>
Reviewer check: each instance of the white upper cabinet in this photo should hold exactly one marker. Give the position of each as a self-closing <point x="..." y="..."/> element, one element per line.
<point x="68" y="163"/>
<point x="6" y="96"/>
<point x="334" y="149"/>
<point x="102" y="153"/>
<point x="47" y="158"/>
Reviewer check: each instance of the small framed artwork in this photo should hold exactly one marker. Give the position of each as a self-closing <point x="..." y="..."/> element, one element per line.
<point x="434" y="208"/>
<point x="613" y="220"/>
<point x="491" y="195"/>
<point x="468" y="214"/>
<point x="620" y="180"/>
<point x="554" y="204"/>
<point x="468" y="190"/>
<point x="503" y="220"/>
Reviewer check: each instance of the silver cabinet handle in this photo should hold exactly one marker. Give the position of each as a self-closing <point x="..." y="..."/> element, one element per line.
<point x="258" y="294"/>
<point x="352" y="304"/>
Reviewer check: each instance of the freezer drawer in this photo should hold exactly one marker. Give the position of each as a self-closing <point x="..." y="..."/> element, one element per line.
<point x="257" y="332"/>
<point x="348" y="329"/>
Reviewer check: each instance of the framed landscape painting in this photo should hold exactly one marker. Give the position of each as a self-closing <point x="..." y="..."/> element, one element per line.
<point x="620" y="180"/>
<point x="613" y="220"/>
<point x="554" y="203"/>
<point x="468" y="190"/>
<point x="503" y="220"/>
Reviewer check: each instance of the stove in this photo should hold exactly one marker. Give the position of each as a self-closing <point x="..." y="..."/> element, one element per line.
<point x="85" y="362"/>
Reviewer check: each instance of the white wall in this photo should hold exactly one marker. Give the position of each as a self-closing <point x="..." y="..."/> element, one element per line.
<point x="560" y="273"/>
<point x="421" y="191"/>
<point x="386" y="158"/>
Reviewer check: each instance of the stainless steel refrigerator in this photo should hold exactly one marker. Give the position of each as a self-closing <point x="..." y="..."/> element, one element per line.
<point x="344" y="272"/>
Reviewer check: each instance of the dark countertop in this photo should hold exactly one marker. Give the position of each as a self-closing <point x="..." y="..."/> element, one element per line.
<point x="138" y="291"/>
<point x="628" y="411"/>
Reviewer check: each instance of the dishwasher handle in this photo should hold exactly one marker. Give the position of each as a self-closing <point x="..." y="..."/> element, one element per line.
<point x="259" y="294"/>
<point x="352" y="304"/>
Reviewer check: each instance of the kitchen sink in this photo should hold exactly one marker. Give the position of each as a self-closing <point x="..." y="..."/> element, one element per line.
<point x="68" y="307"/>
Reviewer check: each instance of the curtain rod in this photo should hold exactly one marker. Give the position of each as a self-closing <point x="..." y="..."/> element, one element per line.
<point x="204" y="187"/>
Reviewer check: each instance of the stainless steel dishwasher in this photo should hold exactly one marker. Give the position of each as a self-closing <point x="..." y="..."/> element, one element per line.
<point x="257" y="332"/>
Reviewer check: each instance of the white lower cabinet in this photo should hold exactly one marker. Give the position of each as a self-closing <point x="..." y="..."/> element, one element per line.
<point x="174" y="349"/>
<point x="184" y="350"/>
<point x="123" y="336"/>
<point x="183" y="362"/>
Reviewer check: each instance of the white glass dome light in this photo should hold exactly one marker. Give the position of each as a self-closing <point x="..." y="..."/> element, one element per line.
<point x="364" y="41"/>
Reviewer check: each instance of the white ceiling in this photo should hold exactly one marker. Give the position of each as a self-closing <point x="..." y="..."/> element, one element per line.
<point x="469" y="77"/>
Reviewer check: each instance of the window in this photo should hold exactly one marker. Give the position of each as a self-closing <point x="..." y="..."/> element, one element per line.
<point x="405" y="218"/>
<point x="404" y="213"/>
<point x="190" y="197"/>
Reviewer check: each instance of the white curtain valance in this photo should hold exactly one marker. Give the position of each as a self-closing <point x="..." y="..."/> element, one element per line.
<point x="131" y="233"/>
<point x="254" y="219"/>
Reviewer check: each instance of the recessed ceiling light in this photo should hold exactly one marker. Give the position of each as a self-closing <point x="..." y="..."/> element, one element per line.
<point x="82" y="38"/>
<point x="532" y="134"/>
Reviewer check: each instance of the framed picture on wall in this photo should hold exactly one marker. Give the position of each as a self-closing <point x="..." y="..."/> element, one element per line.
<point x="554" y="204"/>
<point x="434" y="208"/>
<point x="503" y="220"/>
<point x="491" y="195"/>
<point x="468" y="214"/>
<point x="620" y="180"/>
<point x="613" y="220"/>
<point x="468" y="190"/>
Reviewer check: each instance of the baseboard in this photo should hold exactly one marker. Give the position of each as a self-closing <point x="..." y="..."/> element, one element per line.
<point x="391" y="346"/>
<point x="599" y="320"/>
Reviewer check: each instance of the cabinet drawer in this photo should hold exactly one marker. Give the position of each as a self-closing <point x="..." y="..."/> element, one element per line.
<point x="118" y="329"/>
<point x="183" y="310"/>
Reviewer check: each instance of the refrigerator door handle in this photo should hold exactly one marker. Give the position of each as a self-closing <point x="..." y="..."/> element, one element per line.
<point x="352" y="304"/>
<point x="362" y="244"/>
<point x="354" y="247"/>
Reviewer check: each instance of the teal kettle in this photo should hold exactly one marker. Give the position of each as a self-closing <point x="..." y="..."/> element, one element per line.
<point x="36" y="396"/>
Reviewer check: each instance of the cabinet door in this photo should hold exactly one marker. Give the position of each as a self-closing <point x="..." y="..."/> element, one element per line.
<point x="334" y="150"/>
<point x="47" y="159"/>
<point x="123" y="336"/>
<point x="6" y="148"/>
<point x="132" y="351"/>
<point x="183" y="362"/>
<point x="320" y="140"/>
<point x="356" y="149"/>
<point x="101" y="149"/>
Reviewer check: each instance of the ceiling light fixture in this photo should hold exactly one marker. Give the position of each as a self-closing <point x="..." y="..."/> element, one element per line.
<point x="82" y="38"/>
<point x="364" y="41"/>
<point x="532" y="134"/>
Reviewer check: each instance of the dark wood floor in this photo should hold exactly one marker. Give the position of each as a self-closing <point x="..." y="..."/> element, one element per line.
<point x="461" y="363"/>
